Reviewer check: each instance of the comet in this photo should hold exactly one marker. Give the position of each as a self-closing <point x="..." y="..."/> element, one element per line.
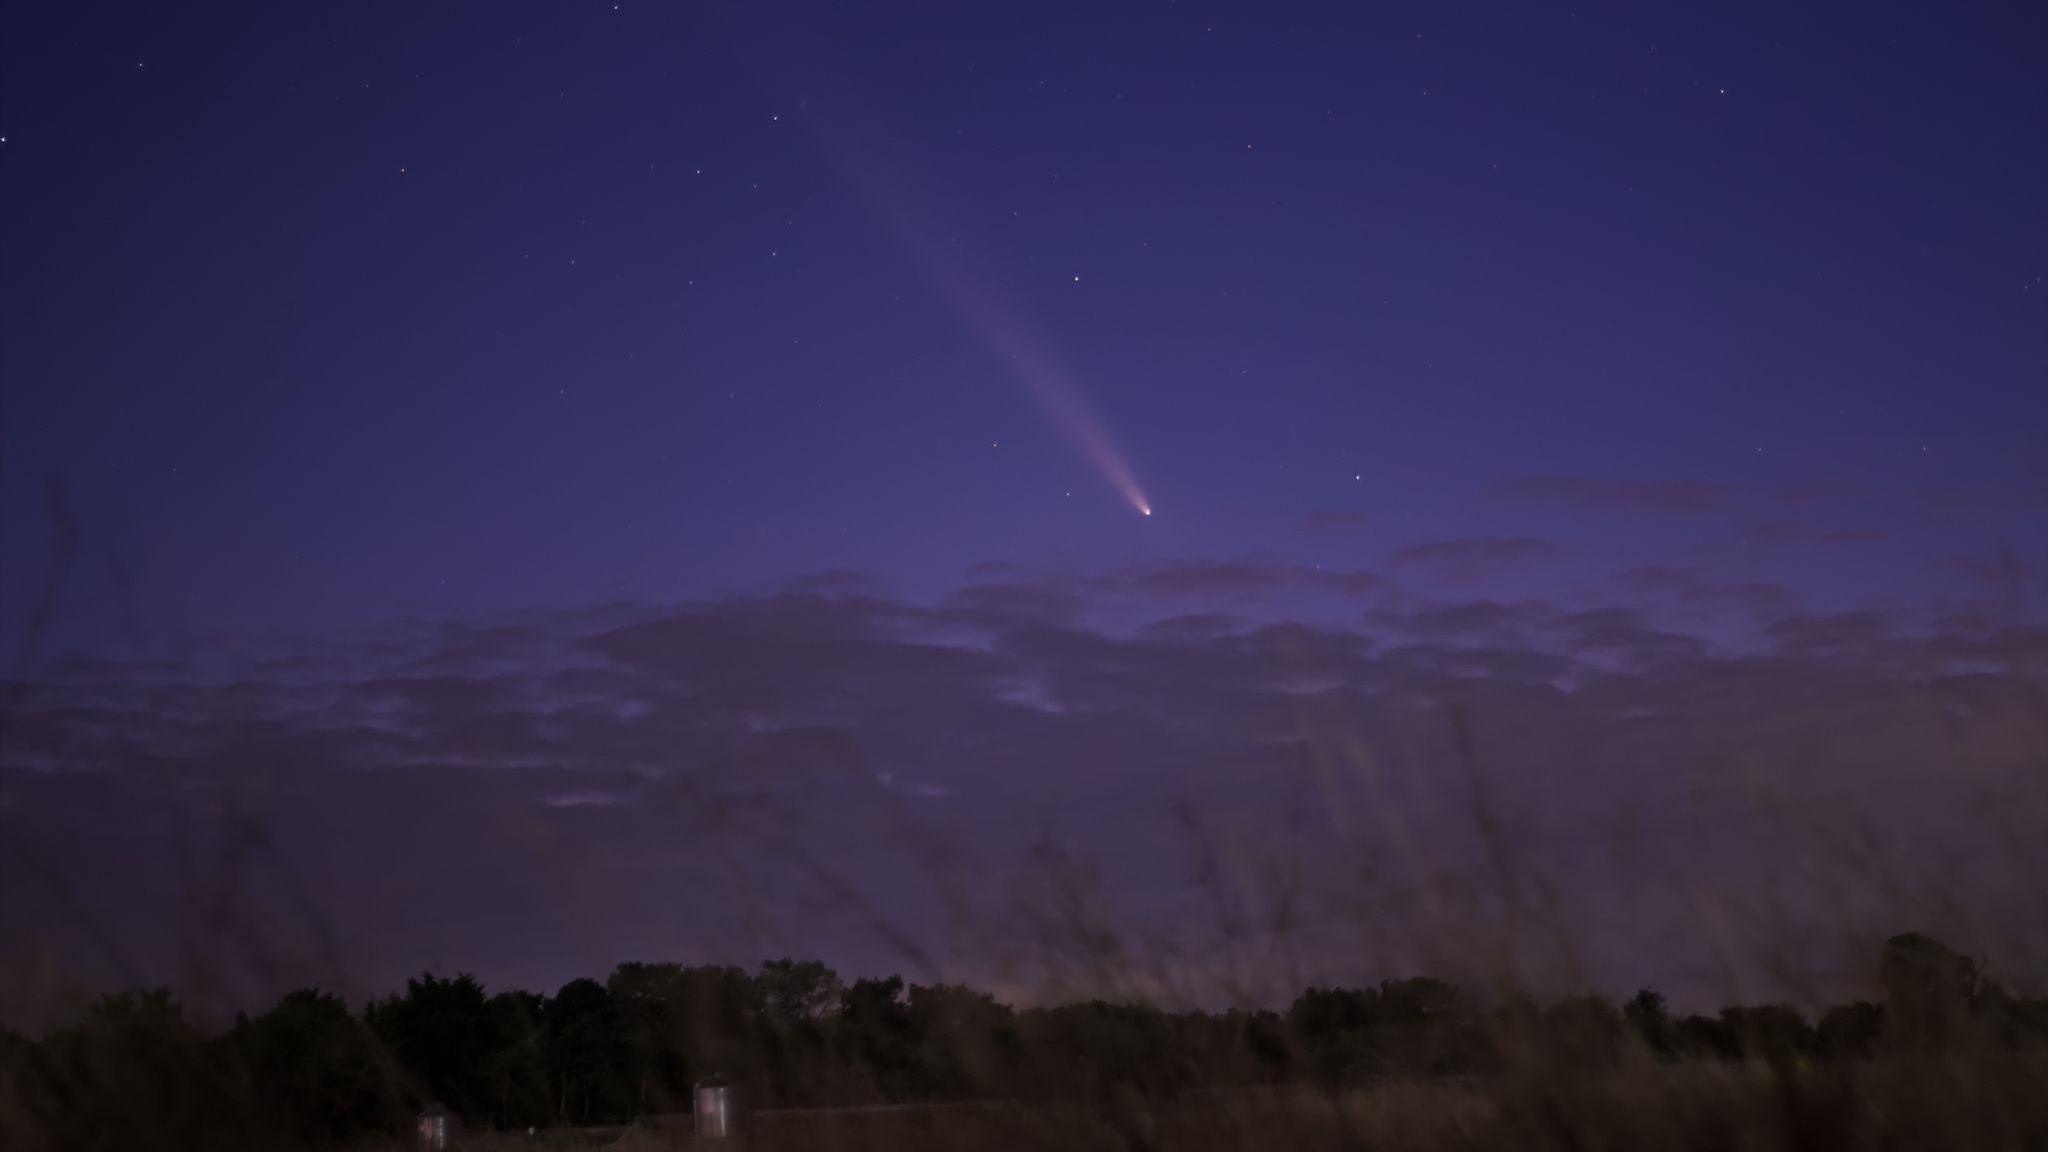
<point x="1000" y="324"/>
<point x="997" y="320"/>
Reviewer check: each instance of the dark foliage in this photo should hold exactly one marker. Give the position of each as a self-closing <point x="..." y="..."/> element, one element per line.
<point x="132" y="1073"/>
<point x="315" y="1071"/>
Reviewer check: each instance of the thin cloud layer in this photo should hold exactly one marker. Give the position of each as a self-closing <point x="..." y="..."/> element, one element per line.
<point x="835" y="771"/>
<point x="1805" y="534"/>
<point x="1241" y="580"/>
<point x="1464" y="561"/>
<point x="1334" y="521"/>
<point x="1592" y="494"/>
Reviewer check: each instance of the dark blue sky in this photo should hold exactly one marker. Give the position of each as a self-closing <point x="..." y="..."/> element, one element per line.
<point x="1692" y="358"/>
<point x="328" y="315"/>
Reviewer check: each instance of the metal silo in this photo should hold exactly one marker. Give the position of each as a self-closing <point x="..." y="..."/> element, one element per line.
<point x="433" y="1129"/>
<point x="717" y="1108"/>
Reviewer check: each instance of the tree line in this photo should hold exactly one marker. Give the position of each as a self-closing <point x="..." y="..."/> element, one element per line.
<point x="132" y="1072"/>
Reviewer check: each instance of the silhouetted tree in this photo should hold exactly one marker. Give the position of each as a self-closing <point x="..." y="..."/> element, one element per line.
<point x="965" y="1040"/>
<point x="586" y="1054"/>
<point x="1928" y="990"/>
<point x="796" y="1003"/>
<point x="1705" y="1038"/>
<point x="442" y="1032"/>
<point x="794" y="994"/>
<point x="130" y="1074"/>
<point x="1772" y="1032"/>
<point x="514" y="1073"/>
<point x="317" y="1071"/>
<point x="1850" y="1031"/>
<point x="1332" y="1025"/>
<point x="681" y="1023"/>
<point x="875" y="1035"/>
<point x="652" y="1004"/>
<point x="1651" y="1020"/>
<point x="1259" y="1047"/>
<point x="1583" y="1032"/>
<point x="1098" y="1050"/>
<point x="1420" y="1026"/>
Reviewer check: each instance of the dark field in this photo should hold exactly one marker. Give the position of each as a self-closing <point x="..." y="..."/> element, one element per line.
<point x="1947" y="1060"/>
<point x="1996" y="1104"/>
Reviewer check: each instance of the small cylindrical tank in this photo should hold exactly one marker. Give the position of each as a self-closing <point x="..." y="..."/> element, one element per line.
<point x="433" y="1129"/>
<point x="717" y="1108"/>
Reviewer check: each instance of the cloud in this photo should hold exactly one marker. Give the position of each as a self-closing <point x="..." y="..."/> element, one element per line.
<point x="865" y="777"/>
<point x="1949" y="500"/>
<point x="1468" y="560"/>
<point x="1612" y="637"/>
<point x="1627" y="637"/>
<point x="1050" y="601"/>
<point x="1230" y="580"/>
<point x="1466" y="620"/>
<point x="2026" y="496"/>
<point x="1838" y="632"/>
<point x="2007" y="574"/>
<point x="1686" y="586"/>
<point x="1805" y="534"/>
<point x="1193" y="627"/>
<point x="587" y="798"/>
<point x="918" y="791"/>
<point x="1333" y="521"/>
<point x="836" y="581"/>
<point x="1236" y="581"/>
<point x="1589" y="494"/>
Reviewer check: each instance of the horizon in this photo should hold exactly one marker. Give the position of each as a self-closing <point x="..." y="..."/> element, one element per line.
<point x="1482" y="1000"/>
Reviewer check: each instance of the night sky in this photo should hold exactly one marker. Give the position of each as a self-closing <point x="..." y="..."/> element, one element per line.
<point x="508" y="486"/>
